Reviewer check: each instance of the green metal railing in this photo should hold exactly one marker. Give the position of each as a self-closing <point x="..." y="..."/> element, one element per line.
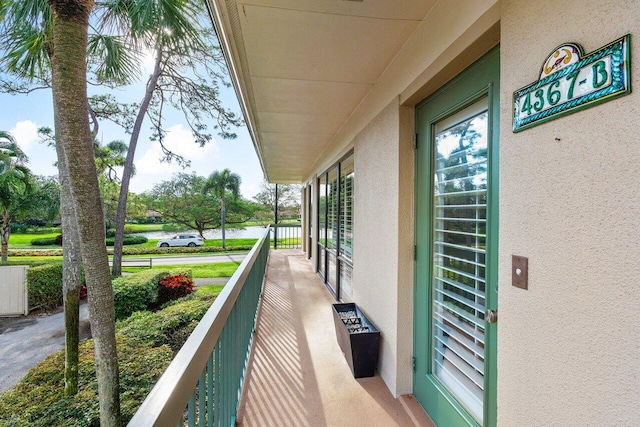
<point x="287" y="236"/>
<point x="207" y="374"/>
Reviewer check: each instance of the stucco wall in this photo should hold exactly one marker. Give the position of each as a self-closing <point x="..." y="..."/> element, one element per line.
<point x="568" y="347"/>
<point x="383" y="270"/>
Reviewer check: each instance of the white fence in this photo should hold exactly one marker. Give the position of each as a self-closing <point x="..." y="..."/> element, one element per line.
<point x="13" y="291"/>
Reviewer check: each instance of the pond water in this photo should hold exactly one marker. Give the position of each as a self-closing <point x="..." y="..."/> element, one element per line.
<point x="234" y="233"/>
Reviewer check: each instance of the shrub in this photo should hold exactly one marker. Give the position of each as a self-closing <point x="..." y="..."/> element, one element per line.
<point x="45" y="241"/>
<point x="30" y="262"/>
<point x="112" y="231"/>
<point x="172" y="227"/>
<point x="186" y="272"/>
<point x="18" y="228"/>
<point x="172" y="325"/>
<point x="44" y="284"/>
<point x="136" y="292"/>
<point x="174" y="287"/>
<point x="38" y="399"/>
<point x="186" y="250"/>
<point x="128" y="240"/>
<point x="144" y="343"/>
<point x="139" y="250"/>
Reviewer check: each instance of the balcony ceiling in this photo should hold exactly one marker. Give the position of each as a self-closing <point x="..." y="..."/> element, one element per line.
<point x="301" y="68"/>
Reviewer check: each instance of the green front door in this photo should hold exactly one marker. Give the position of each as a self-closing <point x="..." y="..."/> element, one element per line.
<point x="456" y="238"/>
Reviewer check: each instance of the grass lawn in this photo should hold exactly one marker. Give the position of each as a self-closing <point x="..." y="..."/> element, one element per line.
<point x="143" y="228"/>
<point x="206" y="270"/>
<point x="23" y="241"/>
<point x="209" y="289"/>
<point x="286" y="241"/>
<point x="146" y="228"/>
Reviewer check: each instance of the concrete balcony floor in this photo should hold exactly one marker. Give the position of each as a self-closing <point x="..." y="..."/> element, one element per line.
<point x="297" y="375"/>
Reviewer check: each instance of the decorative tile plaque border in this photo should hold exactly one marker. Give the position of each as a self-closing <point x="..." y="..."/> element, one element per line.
<point x="571" y="81"/>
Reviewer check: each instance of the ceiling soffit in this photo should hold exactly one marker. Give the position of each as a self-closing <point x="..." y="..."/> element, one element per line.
<point x="305" y="66"/>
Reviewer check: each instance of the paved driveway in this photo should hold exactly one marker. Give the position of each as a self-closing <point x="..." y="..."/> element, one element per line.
<point x="26" y="341"/>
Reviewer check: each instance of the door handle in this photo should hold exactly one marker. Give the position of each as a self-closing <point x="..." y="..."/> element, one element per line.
<point x="491" y="316"/>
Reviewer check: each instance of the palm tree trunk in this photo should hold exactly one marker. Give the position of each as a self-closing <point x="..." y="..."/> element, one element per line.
<point x="121" y="216"/>
<point x="223" y="220"/>
<point x="71" y="278"/>
<point x="4" y="235"/>
<point x="71" y="117"/>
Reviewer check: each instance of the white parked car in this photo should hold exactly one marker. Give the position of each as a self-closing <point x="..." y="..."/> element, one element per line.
<point x="190" y="240"/>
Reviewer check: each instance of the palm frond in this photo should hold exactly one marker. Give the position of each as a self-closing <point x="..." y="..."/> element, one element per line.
<point x="26" y="54"/>
<point x="7" y="136"/>
<point x="113" y="58"/>
<point x="25" y="38"/>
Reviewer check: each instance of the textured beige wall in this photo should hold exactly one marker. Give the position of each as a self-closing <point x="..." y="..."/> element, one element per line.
<point x="405" y="273"/>
<point x="569" y="347"/>
<point x="383" y="270"/>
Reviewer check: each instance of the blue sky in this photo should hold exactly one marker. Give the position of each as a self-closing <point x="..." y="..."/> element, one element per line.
<point x="22" y="115"/>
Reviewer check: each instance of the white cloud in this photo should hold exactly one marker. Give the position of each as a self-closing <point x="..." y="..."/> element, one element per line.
<point x="41" y="157"/>
<point x="180" y="141"/>
<point x="26" y="134"/>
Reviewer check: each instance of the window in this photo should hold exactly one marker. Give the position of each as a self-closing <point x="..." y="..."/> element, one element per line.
<point x="335" y="226"/>
<point x="322" y="224"/>
<point x="346" y="224"/>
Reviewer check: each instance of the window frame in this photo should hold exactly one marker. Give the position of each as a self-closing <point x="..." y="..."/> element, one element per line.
<point x="333" y="282"/>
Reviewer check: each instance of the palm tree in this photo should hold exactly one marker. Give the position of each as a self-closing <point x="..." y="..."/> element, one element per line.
<point x="15" y="184"/>
<point x="219" y="183"/>
<point x="8" y="154"/>
<point x="74" y="144"/>
<point x="120" y="32"/>
<point x="46" y="42"/>
<point x="109" y="157"/>
<point x="186" y="72"/>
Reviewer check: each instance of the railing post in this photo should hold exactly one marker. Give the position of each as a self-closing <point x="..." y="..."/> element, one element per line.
<point x="275" y="223"/>
<point x="275" y="236"/>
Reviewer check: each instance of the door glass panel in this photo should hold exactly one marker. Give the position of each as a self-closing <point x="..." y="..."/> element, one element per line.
<point x="459" y="245"/>
<point x="322" y="223"/>
<point x="332" y="208"/>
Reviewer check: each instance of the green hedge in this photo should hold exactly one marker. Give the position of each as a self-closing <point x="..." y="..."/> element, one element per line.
<point x="184" y="250"/>
<point x="136" y="292"/>
<point x="45" y="241"/>
<point x="128" y="240"/>
<point x="139" y="291"/>
<point x="44" y="283"/>
<point x="131" y="293"/>
<point x="146" y="343"/>
<point x="138" y="251"/>
<point x="31" y="262"/>
<point x="172" y="325"/>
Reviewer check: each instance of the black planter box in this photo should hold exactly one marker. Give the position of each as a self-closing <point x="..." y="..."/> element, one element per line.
<point x="358" y="339"/>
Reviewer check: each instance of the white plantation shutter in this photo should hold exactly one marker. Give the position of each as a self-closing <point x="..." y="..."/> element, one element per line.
<point x="346" y="208"/>
<point x="459" y="255"/>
